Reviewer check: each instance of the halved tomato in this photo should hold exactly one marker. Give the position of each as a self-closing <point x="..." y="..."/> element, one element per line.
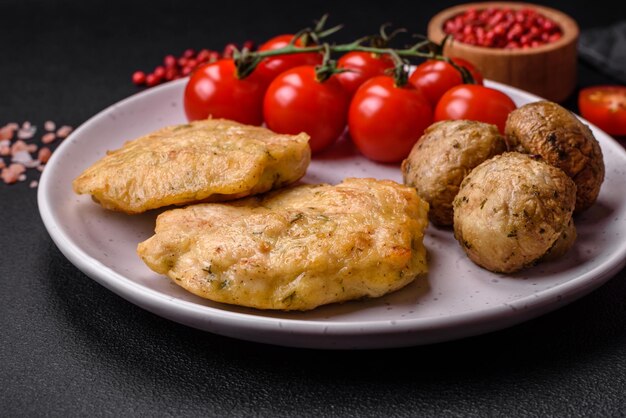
<point x="604" y="106"/>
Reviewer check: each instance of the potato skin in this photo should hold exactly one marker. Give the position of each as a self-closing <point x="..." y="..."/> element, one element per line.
<point x="551" y="131"/>
<point x="443" y="156"/>
<point x="511" y="210"/>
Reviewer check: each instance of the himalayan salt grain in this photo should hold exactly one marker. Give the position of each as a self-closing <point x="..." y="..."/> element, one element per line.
<point x="64" y="131"/>
<point x="18" y="168"/>
<point x="48" y="138"/>
<point x="5" y="150"/>
<point x="22" y="177"/>
<point x="26" y="125"/>
<point x="40" y="167"/>
<point x="49" y="126"/>
<point x="18" y="146"/>
<point x="2" y="163"/>
<point x="32" y="147"/>
<point x="13" y="126"/>
<point x="24" y="158"/>
<point x="33" y="184"/>
<point x="44" y="155"/>
<point x="8" y="176"/>
<point x="26" y="133"/>
<point x="5" y="143"/>
<point x="6" y="133"/>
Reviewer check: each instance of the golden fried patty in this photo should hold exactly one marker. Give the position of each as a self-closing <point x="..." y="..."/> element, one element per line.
<point x="209" y="160"/>
<point x="296" y="248"/>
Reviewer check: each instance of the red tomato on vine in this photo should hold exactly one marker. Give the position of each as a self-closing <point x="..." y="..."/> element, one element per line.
<point x="362" y="66"/>
<point x="435" y="77"/>
<point x="385" y="121"/>
<point x="296" y="101"/>
<point x="214" y="90"/>
<point x="473" y="102"/>
<point x="269" y="68"/>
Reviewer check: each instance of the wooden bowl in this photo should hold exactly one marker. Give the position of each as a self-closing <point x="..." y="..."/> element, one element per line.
<point x="548" y="70"/>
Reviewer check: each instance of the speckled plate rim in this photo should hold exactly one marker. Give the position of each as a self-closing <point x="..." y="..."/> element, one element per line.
<point x="320" y="334"/>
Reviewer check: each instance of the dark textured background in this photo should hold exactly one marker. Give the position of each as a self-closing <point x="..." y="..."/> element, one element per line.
<point x="70" y="347"/>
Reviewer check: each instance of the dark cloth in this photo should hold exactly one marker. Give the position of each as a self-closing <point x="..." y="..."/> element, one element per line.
<point x="605" y="48"/>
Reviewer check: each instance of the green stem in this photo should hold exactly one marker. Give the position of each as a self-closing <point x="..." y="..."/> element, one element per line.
<point x="247" y="61"/>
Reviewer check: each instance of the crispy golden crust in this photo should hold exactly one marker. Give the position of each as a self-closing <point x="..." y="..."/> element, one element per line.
<point x="296" y="248"/>
<point x="511" y="210"/>
<point x="551" y="131"/>
<point x="443" y="156"/>
<point x="209" y="160"/>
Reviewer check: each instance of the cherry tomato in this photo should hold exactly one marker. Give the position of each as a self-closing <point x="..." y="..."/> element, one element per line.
<point x="297" y="102"/>
<point x="214" y="90"/>
<point x="474" y="102"/>
<point x="385" y="121"/>
<point x="362" y="66"/>
<point x="604" y="106"/>
<point x="269" y="68"/>
<point x="435" y="77"/>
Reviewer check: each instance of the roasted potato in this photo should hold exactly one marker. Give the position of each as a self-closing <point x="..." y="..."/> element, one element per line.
<point x="511" y="210"/>
<point x="551" y="131"/>
<point x="443" y="156"/>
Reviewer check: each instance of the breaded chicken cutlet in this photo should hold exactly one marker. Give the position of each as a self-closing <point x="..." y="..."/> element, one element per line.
<point x="295" y="248"/>
<point x="203" y="161"/>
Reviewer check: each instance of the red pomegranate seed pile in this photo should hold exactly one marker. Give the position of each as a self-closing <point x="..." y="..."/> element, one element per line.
<point x="503" y="28"/>
<point x="19" y="152"/>
<point x="173" y="67"/>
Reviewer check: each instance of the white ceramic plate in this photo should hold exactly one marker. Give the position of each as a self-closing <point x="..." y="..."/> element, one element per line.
<point x="456" y="299"/>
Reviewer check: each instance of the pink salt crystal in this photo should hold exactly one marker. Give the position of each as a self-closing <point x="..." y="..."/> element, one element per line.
<point x="41" y="167"/>
<point x="18" y="146"/>
<point x="22" y="177"/>
<point x="26" y="125"/>
<point x="8" y="176"/>
<point x="13" y="126"/>
<point x="32" y="147"/>
<point x="17" y="167"/>
<point x="48" y="138"/>
<point x="33" y="184"/>
<point x="26" y="133"/>
<point x="6" y="132"/>
<point x="5" y="143"/>
<point x="2" y="164"/>
<point x="64" y="131"/>
<point x="44" y="155"/>
<point x="5" y="150"/>
<point x="49" y="126"/>
<point x="24" y="158"/>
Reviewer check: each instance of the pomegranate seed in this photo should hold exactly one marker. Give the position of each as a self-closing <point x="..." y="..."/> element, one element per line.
<point x="192" y="63"/>
<point x="189" y="53"/>
<point x="186" y="71"/>
<point x="203" y="55"/>
<point x="139" y="78"/>
<point x="249" y="45"/>
<point x="182" y="61"/>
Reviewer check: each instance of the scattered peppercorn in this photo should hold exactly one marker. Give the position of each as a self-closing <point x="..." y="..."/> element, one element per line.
<point x="503" y="28"/>
<point x="176" y="67"/>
